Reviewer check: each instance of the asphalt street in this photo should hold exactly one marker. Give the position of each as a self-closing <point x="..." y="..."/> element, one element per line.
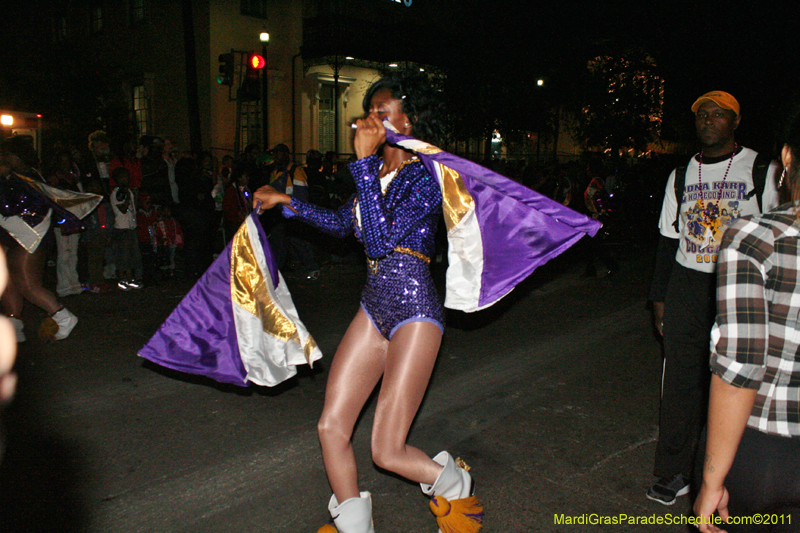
<point x="550" y="396"/>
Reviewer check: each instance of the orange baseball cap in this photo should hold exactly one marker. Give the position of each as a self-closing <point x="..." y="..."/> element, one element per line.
<point x="721" y="98"/>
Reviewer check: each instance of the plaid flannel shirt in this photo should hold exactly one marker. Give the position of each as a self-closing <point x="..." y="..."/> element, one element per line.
<point x="756" y="336"/>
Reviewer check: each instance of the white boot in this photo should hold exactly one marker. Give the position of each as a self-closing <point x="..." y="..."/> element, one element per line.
<point x="66" y="323"/>
<point x="353" y="515"/>
<point x="453" y="483"/>
<point x="19" y="328"/>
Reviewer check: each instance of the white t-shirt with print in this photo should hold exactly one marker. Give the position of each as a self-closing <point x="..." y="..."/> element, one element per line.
<point x="702" y="225"/>
<point x="123" y="220"/>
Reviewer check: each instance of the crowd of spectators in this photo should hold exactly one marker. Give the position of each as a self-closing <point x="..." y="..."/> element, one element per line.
<point x="626" y="197"/>
<point x="167" y="213"/>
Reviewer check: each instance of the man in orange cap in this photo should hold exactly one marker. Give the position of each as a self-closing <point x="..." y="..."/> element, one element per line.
<point x="719" y="184"/>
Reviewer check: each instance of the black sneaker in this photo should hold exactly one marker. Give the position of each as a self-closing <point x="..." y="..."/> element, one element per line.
<point x="666" y="490"/>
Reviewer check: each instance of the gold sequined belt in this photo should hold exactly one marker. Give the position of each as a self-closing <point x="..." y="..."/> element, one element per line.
<point x="373" y="263"/>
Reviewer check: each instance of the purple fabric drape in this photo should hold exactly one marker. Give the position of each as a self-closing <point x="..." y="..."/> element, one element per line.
<point x="199" y="337"/>
<point x="520" y="229"/>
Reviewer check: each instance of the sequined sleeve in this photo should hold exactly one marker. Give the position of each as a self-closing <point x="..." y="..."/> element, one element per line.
<point x="390" y="219"/>
<point x="410" y="205"/>
<point x="338" y="223"/>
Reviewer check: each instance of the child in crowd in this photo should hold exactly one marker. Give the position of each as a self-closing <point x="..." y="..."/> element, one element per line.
<point x="237" y="203"/>
<point x="226" y="170"/>
<point x="169" y="237"/>
<point x="127" y="156"/>
<point x="146" y="219"/>
<point x="96" y="236"/>
<point x="126" y="246"/>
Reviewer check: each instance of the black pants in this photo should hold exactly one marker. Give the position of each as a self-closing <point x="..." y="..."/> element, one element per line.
<point x="198" y="236"/>
<point x="285" y="238"/>
<point x="765" y="478"/>
<point x="594" y="248"/>
<point x="689" y="312"/>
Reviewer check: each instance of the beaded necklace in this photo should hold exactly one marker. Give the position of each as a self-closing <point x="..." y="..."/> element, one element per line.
<point x="725" y="177"/>
<point x="414" y="159"/>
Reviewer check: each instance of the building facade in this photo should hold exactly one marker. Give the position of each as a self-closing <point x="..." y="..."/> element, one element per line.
<point x="151" y="67"/>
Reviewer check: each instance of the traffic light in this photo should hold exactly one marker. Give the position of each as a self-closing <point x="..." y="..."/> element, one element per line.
<point x="254" y="63"/>
<point x="251" y="88"/>
<point x="226" y="68"/>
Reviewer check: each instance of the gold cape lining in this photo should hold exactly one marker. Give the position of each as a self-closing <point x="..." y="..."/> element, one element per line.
<point x="249" y="289"/>
<point x="456" y="200"/>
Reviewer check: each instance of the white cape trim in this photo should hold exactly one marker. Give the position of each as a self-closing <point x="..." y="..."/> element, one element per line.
<point x="269" y="360"/>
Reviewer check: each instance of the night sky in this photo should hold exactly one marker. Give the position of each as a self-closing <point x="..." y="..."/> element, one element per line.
<point x="751" y="52"/>
<point x="699" y="47"/>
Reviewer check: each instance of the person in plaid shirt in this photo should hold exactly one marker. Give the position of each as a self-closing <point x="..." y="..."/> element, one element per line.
<point x="752" y="462"/>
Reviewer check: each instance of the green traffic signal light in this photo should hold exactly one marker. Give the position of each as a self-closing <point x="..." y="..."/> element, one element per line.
<point x="226" y="68"/>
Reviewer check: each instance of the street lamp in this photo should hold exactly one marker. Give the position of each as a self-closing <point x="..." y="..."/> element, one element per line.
<point x="539" y="83"/>
<point x="264" y="38"/>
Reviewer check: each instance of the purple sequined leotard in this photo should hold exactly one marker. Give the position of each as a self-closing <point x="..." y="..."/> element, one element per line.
<point x="397" y="229"/>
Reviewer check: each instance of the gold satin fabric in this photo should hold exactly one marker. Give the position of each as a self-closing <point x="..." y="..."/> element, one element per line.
<point x="456" y="200"/>
<point x="309" y="347"/>
<point x="249" y="291"/>
<point x="429" y="150"/>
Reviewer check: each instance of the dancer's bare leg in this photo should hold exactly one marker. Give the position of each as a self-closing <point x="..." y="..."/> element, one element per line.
<point x="8" y="348"/>
<point x="356" y="369"/>
<point x="409" y="364"/>
<point x="26" y="271"/>
<point x="12" y="301"/>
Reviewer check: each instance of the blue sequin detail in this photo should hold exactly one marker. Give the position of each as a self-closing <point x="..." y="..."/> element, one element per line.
<point x="401" y="290"/>
<point x="18" y="198"/>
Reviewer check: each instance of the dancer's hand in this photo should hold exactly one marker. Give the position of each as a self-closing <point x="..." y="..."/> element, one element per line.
<point x="268" y="197"/>
<point x="370" y="135"/>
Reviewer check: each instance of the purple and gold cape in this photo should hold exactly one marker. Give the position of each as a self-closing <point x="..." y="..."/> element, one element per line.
<point x="238" y="323"/>
<point x="498" y="231"/>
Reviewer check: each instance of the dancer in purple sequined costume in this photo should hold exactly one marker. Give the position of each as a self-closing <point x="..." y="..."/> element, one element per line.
<point x="399" y="288"/>
<point x="26" y="215"/>
<point x="397" y="332"/>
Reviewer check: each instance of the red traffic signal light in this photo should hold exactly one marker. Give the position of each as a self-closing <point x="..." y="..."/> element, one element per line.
<point x="256" y="61"/>
<point x="250" y="89"/>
